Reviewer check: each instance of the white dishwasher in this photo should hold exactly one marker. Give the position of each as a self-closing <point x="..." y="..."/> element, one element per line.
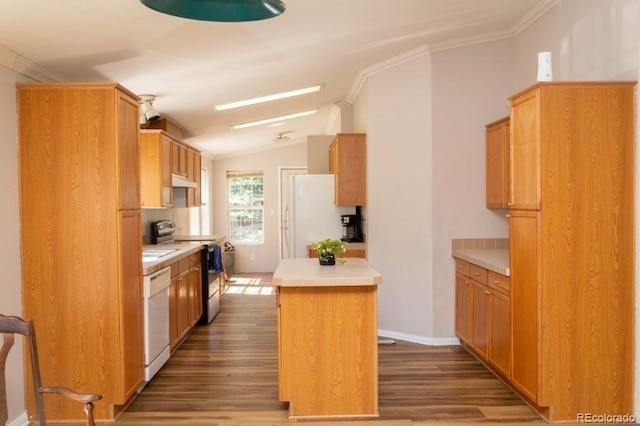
<point x="156" y="321"/>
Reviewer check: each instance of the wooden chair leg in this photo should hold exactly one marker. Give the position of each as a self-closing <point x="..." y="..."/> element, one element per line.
<point x="88" y="408"/>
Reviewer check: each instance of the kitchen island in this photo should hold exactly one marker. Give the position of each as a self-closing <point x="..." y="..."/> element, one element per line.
<point x="327" y="338"/>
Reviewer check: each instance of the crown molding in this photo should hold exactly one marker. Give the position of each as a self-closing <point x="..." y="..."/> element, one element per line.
<point x="469" y="41"/>
<point x="20" y="64"/>
<point x="533" y="15"/>
<point x="361" y="77"/>
<point x="528" y="19"/>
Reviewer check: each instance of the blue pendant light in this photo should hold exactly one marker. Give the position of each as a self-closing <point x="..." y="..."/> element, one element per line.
<point x="219" y="10"/>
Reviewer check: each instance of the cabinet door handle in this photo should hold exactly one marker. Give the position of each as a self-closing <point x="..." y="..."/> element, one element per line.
<point x="476" y="273"/>
<point x="487" y="292"/>
<point x="496" y="281"/>
<point x="507" y="215"/>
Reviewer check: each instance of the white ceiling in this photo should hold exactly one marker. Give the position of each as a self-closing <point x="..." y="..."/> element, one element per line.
<point x="192" y="65"/>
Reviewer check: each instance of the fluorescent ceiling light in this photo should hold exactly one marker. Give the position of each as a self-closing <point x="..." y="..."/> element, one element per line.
<point x="269" y="98"/>
<point x="273" y="120"/>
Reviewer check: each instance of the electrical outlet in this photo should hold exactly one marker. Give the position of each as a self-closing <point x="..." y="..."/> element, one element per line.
<point x="253" y="256"/>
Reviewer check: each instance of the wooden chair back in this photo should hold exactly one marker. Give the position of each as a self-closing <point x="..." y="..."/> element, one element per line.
<point x="11" y="325"/>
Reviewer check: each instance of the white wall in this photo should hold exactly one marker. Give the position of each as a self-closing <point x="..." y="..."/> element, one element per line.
<point x="470" y="89"/>
<point x="399" y="194"/>
<point x="11" y="294"/>
<point x="589" y="40"/>
<point x="265" y="256"/>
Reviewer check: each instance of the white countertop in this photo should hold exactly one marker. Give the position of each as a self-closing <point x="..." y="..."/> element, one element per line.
<point x="302" y="272"/>
<point x="496" y="260"/>
<point x="183" y="249"/>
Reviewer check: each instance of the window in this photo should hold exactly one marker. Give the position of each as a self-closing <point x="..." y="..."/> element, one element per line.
<point x="205" y="210"/>
<point x="246" y="207"/>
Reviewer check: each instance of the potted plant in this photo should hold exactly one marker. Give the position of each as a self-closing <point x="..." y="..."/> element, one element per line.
<point x="328" y="250"/>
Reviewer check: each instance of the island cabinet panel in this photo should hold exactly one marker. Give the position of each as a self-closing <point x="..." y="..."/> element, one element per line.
<point x="327" y="338"/>
<point x="328" y="350"/>
<point x="572" y="246"/>
<point x="81" y="240"/>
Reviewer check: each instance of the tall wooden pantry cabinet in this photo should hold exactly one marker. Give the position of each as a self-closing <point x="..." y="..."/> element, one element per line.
<point x="572" y="247"/>
<point x="81" y="240"/>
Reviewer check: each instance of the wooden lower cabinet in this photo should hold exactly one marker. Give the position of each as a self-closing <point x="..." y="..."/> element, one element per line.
<point x="525" y="259"/>
<point x="483" y="314"/>
<point x="499" y="354"/>
<point x="185" y="299"/>
<point x="480" y="318"/>
<point x="463" y="307"/>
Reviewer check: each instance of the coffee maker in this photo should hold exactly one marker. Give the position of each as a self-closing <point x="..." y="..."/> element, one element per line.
<point x="351" y="228"/>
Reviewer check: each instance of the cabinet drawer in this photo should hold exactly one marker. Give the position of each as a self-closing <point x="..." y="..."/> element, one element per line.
<point x="499" y="283"/>
<point x="462" y="267"/>
<point x="183" y="264"/>
<point x="478" y="274"/>
<point x="194" y="259"/>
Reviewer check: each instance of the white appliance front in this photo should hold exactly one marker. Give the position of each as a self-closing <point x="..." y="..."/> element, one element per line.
<point x="156" y="321"/>
<point x="312" y="214"/>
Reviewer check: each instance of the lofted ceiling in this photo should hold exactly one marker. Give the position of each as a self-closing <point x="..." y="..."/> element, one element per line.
<point x="191" y="65"/>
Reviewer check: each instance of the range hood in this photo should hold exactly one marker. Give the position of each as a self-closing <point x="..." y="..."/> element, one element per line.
<point x="178" y="181"/>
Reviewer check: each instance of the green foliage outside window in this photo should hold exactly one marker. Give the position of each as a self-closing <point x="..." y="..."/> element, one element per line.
<point x="246" y="211"/>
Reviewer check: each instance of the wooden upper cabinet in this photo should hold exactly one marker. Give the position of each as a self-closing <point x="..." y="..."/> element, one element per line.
<point x="348" y="162"/>
<point x="498" y="178"/>
<point x="156" y="163"/>
<point x="128" y="149"/>
<point x="525" y="152"/>
<point x="179" y="159"/>
<point x="194" y="173"/>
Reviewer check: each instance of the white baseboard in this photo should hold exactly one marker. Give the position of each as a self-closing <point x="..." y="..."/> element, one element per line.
<point x="22" y="420"/>
<point x="428" y="341"/>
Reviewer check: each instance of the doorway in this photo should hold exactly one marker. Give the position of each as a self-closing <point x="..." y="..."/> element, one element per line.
<point x="285" y="172"/>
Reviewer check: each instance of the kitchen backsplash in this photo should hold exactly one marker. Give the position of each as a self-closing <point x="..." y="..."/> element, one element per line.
<point x="182" y="216"/>
<point x="480" y="243"/>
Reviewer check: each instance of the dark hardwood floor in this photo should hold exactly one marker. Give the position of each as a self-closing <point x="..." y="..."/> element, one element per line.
<point x="226" y="373"/>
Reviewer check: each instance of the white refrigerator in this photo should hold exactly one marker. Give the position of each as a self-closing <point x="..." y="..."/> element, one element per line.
<point x="311" y="214"/>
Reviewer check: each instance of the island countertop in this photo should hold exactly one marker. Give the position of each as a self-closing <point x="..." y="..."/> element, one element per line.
<point x="302" y="272"/>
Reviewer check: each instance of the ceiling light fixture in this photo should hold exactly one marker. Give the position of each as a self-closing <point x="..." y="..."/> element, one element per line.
<point x="147" y="112"/>
<point x="219" y="10"/>
<point x="269" y="98"/>
<point x="273" y="120"/>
